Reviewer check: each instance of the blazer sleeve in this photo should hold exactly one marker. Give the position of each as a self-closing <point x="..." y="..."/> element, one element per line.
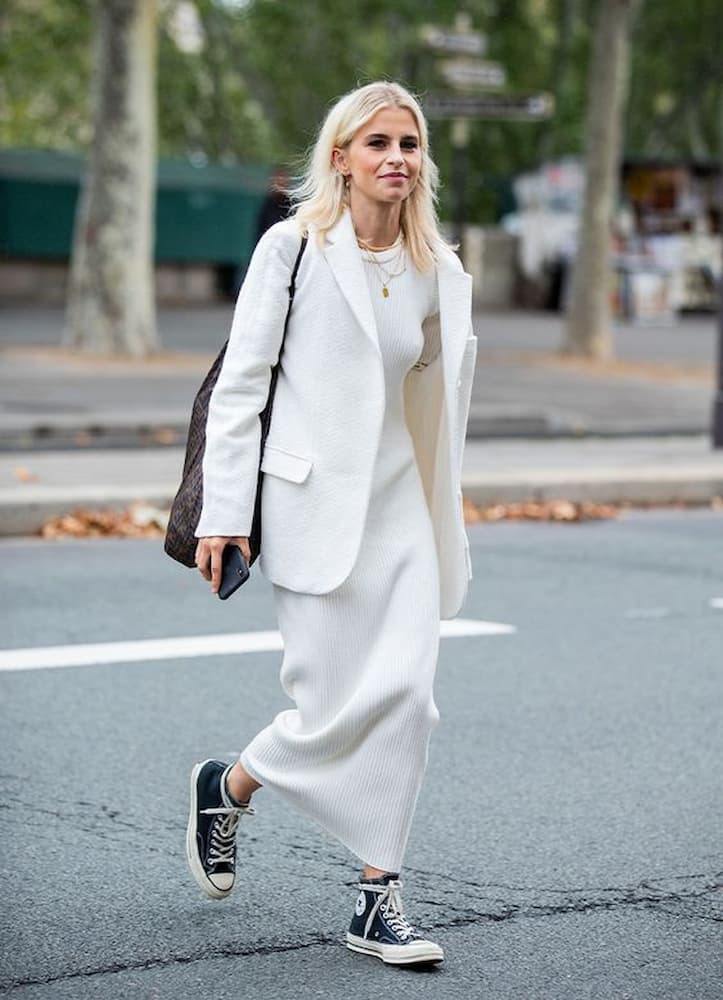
<point x="233" y="429"/>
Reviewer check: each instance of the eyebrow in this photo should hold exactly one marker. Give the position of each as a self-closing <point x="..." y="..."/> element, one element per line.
<point x="383" y="135"/>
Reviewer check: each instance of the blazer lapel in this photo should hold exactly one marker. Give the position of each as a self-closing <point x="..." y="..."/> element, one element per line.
<point x="342" y="252"/>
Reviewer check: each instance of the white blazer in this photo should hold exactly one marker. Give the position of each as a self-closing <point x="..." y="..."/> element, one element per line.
<point x="328" y="411"/>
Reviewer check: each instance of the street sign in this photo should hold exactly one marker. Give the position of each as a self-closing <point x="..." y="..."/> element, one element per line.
<point x="464" y="73"/>
<point x="472" y="43"/>
<point x="506" y="107"/>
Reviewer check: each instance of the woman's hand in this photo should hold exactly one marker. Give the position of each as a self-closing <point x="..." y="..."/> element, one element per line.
<point x="209" y="552"/>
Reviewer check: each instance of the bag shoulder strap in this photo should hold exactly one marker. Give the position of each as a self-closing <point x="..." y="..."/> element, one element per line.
<point x="268" y="409"/>
<point x="292" y="288"/>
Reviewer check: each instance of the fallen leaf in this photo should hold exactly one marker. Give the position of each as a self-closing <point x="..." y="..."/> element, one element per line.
<point x="136" y="521"/>
<point x="542" y="510"/>
<point x="24" y="475"/>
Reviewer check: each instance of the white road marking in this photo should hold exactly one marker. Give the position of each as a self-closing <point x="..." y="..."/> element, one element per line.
<point x="716" y="602"/>
<point x="185" y="647"/>
<point x="648" y="613"/>
<point x="454" y="628"/>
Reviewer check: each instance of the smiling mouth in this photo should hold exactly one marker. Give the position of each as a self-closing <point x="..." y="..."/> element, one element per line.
<point x="400" y="177"/>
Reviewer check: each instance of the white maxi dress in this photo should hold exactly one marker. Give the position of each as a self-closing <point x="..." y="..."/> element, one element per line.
<point x="359" y="661"/>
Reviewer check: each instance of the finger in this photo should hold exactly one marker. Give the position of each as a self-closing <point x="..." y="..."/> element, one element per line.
<point x="216" y="558"/>
<point x="243" y="543"/>
<point x="202" y="560"/>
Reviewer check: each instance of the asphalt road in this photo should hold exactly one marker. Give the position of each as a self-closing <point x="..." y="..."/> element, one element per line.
<point x="567" y="842"/>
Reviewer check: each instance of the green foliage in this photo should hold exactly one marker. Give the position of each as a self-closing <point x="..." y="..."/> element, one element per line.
<point x="45" y="59"/>
<point x="269" y="70"/>
<point x="677" y="80"/>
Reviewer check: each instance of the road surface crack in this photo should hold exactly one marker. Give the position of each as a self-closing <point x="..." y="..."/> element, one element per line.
<point x="227" y="951"/>
<point x="465" y="903"/>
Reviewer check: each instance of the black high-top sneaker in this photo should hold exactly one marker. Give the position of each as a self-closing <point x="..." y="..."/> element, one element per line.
<point x="380" y="928"/>
<point x="211" y="831"/>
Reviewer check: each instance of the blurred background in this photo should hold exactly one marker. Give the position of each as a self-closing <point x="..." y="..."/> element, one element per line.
<point x="143" y="145"/>
<point x="242" y="86"/>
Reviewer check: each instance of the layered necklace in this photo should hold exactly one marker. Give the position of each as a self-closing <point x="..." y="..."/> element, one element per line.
<point x="390" y="269"/>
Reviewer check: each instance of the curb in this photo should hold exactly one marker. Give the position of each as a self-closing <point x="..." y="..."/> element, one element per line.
<point x="96" y="436"/>
<point x="24" y="513"/>
<point x="61" y="433"/>
<point x="655" y="485"/>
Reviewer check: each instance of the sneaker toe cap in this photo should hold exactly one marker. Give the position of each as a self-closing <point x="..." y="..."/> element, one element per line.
<point x="221" y="880"/>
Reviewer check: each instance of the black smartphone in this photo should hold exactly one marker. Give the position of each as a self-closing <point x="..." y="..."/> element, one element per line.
<point x="234" y="571"/>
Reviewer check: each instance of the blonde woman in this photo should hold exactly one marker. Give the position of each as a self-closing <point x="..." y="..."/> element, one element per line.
<point x="362" y="531"/>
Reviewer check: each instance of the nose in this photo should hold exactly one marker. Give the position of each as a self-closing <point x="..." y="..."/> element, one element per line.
<point x="395" y="153"/>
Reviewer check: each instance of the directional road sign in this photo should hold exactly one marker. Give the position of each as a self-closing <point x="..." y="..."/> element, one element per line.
<point x="472" y="43"/>
<point x="512" y="107"/>
<point x="466" y="73"/>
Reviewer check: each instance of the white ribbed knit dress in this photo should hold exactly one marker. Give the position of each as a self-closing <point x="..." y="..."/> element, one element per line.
<point x="359" y="662"/>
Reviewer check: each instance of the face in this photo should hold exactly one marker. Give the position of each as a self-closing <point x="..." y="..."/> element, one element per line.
<point x="384" y="158"/>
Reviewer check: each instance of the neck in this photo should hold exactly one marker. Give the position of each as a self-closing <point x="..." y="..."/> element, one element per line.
<point x="375" y="223"/>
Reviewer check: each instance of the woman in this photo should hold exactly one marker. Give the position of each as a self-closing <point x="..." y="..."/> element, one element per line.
<point x="362" y="529"/>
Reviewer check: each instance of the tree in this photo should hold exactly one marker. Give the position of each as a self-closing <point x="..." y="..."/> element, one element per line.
<point x="676" y="86"/>
<point x="240" y="96"/>
<point x="588" y="329"/>
<point x="111" y="307"/>
<point x="44" y="72"/>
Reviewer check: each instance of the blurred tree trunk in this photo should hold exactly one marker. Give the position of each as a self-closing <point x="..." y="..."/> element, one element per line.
<point x="111" y="307"/>
<point x="588" y="330"/>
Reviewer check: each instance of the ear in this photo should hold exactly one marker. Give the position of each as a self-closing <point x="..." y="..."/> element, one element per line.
<point x="339" y="160"/>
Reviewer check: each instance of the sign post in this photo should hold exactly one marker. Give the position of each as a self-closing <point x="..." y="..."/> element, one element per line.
<point x="460" y="142"/>
<point x="461" y="41"/>
<point x="464" y="74"/>
<point x="717" y="429"/>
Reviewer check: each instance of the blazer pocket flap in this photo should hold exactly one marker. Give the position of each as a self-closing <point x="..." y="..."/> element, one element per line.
<point x="285" y="464"/>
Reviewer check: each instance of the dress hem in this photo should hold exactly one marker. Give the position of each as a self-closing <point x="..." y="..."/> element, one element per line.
<point x="397" y="867"/>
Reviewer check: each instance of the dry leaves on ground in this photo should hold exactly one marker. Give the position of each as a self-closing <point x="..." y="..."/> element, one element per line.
<point x="141" y="520"/>
<point x="24" y="475"/>
<point x="539" y="510"/>
<point x="138" y="520"/>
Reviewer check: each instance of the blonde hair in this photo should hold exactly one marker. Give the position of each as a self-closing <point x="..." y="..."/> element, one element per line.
<point x="321" y="196"/>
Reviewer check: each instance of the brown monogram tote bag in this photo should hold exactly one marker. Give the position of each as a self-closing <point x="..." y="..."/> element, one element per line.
<point x="180" y="541"/>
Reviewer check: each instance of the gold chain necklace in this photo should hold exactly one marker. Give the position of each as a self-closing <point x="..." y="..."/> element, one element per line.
<point x="372" y="249"/>
<point x="388" y="274"/>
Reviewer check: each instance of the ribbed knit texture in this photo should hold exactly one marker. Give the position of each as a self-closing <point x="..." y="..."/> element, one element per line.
<point x="359" y="661"/>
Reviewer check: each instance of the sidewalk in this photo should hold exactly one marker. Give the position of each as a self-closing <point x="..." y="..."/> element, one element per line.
<point x="38" y="485"/>
<point x="102" y="433"/>
<point x="662" y="382"/>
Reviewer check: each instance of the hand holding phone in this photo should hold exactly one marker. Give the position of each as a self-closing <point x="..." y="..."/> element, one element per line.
<point x="210" y="554"/>
<point x="234" y="571"/>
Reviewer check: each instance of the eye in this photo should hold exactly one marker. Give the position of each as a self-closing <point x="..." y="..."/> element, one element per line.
<point x="410" y="144"/>
<point x="376" y="142"/>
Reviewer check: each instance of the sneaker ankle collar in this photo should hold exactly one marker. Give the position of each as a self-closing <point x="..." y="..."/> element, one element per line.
<point x="226" y="796"/>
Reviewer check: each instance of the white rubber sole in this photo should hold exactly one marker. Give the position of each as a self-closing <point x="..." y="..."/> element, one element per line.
<point x="194" y="862"/>
<point x="397" y="954"/>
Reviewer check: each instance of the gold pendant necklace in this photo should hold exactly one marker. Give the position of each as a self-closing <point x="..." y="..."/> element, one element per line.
<point x="380" y="270"/>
